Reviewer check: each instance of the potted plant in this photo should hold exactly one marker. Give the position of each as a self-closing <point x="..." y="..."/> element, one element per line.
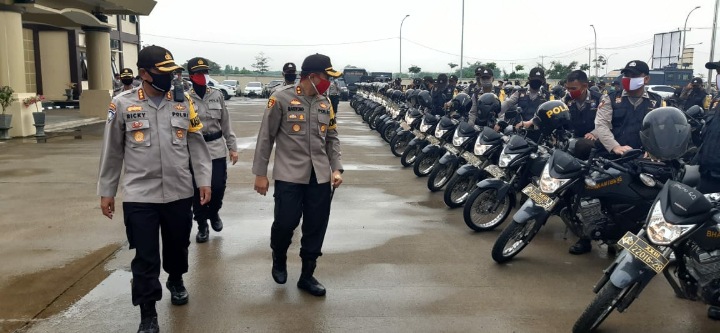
<point x="38" y="115"/>
<point x="69" y="91"/>
<point x="6" y="99"/>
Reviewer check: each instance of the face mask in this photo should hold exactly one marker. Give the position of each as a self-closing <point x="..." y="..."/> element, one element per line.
<point x="535" y="85"/>
<point x="486" y="84"/>
<point x="631" y="84"/>
<point x="199" y="78"/>
<point x="290" y="77"/>
<point x="161" y="82"/>
<point x="321" y="87"/>
<point x="575" y="94"/>
<point x="127" y="82"/>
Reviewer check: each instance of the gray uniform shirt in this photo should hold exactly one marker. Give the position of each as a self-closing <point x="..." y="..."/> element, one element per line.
<point x="303" y="129"/>
<point x="513" y="100"/>
<point x="215" y="118"/>
<point x="603" y="120"/>
<point x="156" y="145"/>
<point x="472" y="115"/>
<point x="333" y="89"/>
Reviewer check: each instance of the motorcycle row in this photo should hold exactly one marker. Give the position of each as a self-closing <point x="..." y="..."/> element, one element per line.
<point x="642" y="203"/>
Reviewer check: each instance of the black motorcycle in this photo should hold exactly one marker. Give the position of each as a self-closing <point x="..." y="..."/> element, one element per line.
<point x="490" y="203"/>
<point x="432" y="153"/>
<point x="423" y="135"/>
<point x="463" y="141"/>
<point x="404" y="133"/>
<point x="486" y="151"/>
<point x="683" y="222"/>
<point x="600" y="199"/>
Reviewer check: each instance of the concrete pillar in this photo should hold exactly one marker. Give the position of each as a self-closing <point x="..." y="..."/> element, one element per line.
<point x="94" y="101"/>
<point x="12" y="52"/>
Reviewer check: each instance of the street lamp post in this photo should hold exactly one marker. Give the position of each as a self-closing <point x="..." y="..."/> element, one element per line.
<point x="712" y="43"/>
<point x="401" y="24"/>
<point x="682" y="54"/>
<point x="462" y="39"/>
<point x="596" y="64"/>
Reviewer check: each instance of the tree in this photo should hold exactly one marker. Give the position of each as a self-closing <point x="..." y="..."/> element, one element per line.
<point x="452" y="65"/>
<point x="261" y="63"/>
<point x="245" y="71"/>
<point x="228" y="69"/>
<point x="558" y="71"/>
<point x="414" y="69"/>
<point x="584" y="67"/>
<point x="469" y="71"/>
<point x="519" y="68"/>
<point x="236" y="70"/>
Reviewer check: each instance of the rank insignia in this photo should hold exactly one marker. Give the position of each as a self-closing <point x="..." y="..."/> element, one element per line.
<point x="301" y="117"/>
<point x="292" y="116"/>
<point x="323" y="105"/>
<point x="296" y="128"/>
<point x="139" y="136"/>
<point x="295" y="101"/>
<point x="179" y="107"/>
<point x="134" y="108"/>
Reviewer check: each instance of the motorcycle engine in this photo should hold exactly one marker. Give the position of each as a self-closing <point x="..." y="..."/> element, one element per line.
<point x="592" y="217"/>
<point x="704" y="267"/>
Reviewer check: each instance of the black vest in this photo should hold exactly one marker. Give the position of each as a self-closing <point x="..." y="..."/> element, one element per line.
<point x="627" y="120"/>
<point x="708" y="158"/>
<point x="695" y="98"/>
<point x="529" y="106"/>
<point x="582" y="115"/>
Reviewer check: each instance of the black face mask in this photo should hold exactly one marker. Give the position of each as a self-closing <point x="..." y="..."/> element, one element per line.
<point x="127" y="82"/>
<point x="290" y="77"/>
<point x="199" y="90"/>
<point x="161" y="82"/>
<point x="535" y="85"/>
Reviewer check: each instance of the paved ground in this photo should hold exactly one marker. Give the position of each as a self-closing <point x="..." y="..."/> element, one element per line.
<point x="396" y="260"/>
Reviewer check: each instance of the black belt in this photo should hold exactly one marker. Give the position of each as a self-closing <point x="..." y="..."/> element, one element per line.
<point x="213" y="136"/>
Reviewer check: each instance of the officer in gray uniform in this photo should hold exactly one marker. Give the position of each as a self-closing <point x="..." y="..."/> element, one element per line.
<point x="154" y="137"/>
<point x="528" y="100"/>
<point x="126" y="78"/>
<point x="301" y="123"/>
<point x="334" y="94"/>
<point x="220" y="139"/>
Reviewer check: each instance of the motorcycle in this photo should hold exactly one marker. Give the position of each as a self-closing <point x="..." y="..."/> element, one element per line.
<point x="463" y="141"/>
<point x="423" y="135"/>
<point x="490" y="203"/>
<point x="404" y="133"/>
<point x="682" y="222"/>
<point x="600" y="199"/>
<point x="431" y="153"/>
<point x="486" y="151"/>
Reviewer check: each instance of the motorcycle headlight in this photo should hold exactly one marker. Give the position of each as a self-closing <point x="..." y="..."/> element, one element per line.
<point x="424" y="127"/>
<point x="408" y="118"/>
<point x="660" y="231"/>
<point x="440" y="132"/>
<point x="549" y="184"/>
<point x="481" y="149"/>
<point x="458" y="140"/>
<point x="505" y="159"/>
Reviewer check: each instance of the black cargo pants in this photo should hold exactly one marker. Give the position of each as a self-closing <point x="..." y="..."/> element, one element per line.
<point x="293" y="201"/>
<point x="144" y="224"/>
<point x="217" y="186"/>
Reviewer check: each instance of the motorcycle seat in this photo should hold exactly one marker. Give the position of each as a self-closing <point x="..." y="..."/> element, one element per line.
<point x="692" y="175"/>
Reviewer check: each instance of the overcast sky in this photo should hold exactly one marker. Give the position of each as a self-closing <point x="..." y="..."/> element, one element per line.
<point x="507" y="32"/>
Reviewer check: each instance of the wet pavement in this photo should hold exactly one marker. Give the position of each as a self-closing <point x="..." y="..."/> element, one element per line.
<point x="395" y="258"/>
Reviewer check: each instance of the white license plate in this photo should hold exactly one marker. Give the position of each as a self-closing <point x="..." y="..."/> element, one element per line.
<point x="470" y="158"/>
<point x="451" y="148"/>
<point x="433" y="140"/>
<point x="495" y="171"/>
<point x="419" y="135"/>
<point x="539" y="198"/>
<point x="404" y="126"/>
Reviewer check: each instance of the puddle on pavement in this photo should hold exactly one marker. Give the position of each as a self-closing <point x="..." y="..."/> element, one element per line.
<point x="25" y="172"/>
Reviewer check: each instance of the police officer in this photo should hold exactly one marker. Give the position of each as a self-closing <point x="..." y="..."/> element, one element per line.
<point x="453" y="85"/>
<point x="441" y="94"/>
<point x="417" y="83"/>
<point x="289" y="72"/>
<point x="427" y="83"/>
<point x="619" y="119"/>
<point x="583" y="104"/>
<point x="156" y="135"/>
<point x="708" y="159"/>
<point x="220" y="139"/>
<point x="485" y="78"/>
<point x="694" y="94"/>
<point x="302" y="125"/>
<point x="527" y="99"/>
<point x="477" y="86"/>
<point x="126" y="78"/>
<point x="334" y="94"/>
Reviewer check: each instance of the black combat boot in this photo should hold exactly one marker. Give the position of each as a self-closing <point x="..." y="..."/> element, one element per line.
<point x="582" y="246"/>
<point x="148" y="318"/>
<point x="203" y="232"/>
<point x="307" y="282"/>
<point x="279" y="268"/>
<point x="178" y="293"/>
<point x="216" y="223"/>
<point x="714" y="312"/>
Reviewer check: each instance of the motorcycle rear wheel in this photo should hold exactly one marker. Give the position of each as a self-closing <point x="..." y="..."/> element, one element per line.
<point x="519" y="234"/>
<point x="600" y="308"/>
<point x="477" y="214"/>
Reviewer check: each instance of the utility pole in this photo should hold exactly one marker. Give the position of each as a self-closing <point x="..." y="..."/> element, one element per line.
<point x="589" y="57"/>
<point x="462" y="39"/>
<point x="401" y="24"/>
<point x="542" y="61"/>
<point x="712" y="44"/>
<point x="596" y="58"/>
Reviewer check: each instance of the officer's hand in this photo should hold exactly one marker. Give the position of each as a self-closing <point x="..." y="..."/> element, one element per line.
<point x="261" y="184"/>
<point x="589" y="136"/>
<point x="204" y="195"/>
<point x="233" y="157"/>
<point x="107" y="205"/>
<point x="620" y="150"/>
<point x="337" y="179"/>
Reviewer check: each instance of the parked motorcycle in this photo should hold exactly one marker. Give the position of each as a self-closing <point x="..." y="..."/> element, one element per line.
<point x="432" y="153"/>
<point x="423" y="135"/>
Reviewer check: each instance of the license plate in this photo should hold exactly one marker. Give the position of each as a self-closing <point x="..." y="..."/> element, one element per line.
<point x="470" y="158"/>
<point x="433" y="140"/>
<point x="404" y="125"/>
<point x="451" y="148"/>
<point x="495" y="171"/>
<point x="539" y="198"/>
<point x="419" y="135"/>
<point x="643" y="252"/>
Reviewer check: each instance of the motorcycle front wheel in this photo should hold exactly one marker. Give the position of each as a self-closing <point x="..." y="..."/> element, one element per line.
<point x="425" y="164"/>
<point x="410" y="154"/>
<point x="478" y="212"/>
<point x="440" y="176"/>
<point x="513" y="239"/>
<point x="389" y="132"/>
<point x="457" y="190"/>
<point x="600" y="308"/>
<point x="398" y="144"/>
